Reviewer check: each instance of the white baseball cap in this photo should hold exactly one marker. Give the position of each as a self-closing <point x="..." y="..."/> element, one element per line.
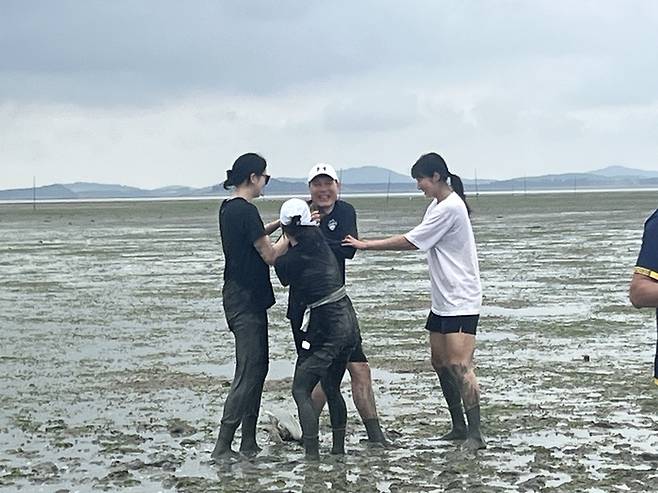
<point x="296" y="208"/>
<point x="322" y="169"/>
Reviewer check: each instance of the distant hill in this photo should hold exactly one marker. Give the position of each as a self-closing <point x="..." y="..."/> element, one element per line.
<point x="373" y="174"/>
<point x="85" y="190"/>
<point x="618" y="171"/>
<point x="45" y="192"/>
<point x="362" y="174"/>
<point x="608" y="178"/>
<point x="364" y="179"/>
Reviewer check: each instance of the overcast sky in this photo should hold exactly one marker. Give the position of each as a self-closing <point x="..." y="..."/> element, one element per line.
<point x="154" y="93"/>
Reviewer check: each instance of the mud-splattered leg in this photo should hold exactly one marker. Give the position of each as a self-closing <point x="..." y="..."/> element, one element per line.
<point x="455" y="362"/>
<point x="449" y="387"/>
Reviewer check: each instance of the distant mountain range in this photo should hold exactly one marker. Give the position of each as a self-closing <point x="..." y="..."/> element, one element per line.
<point x="365" y="179"/>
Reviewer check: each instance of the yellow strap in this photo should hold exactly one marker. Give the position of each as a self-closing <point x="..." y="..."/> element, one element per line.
<point x="655" y="380"/>
<point x="646" y="272"/>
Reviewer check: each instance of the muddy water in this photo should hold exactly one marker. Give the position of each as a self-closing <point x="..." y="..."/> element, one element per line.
<point x="116" y="360"/>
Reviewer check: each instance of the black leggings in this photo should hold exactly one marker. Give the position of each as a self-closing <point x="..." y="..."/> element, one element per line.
<point x="325" y="365"/>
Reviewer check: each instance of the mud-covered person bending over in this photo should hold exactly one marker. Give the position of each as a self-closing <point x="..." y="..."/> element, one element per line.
<point x="644" y="284"/>
<point x="246" y="296"/>
<point x="329" y="329"/>
<point x="445" y="233"/>
<point x="337" y="220"/>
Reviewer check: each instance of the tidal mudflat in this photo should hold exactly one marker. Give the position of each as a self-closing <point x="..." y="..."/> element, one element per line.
<point x="115" y="358"/>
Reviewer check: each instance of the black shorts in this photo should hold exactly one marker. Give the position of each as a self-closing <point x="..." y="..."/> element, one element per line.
<point x="358" y="356"/>
<point x="452" y="325"/>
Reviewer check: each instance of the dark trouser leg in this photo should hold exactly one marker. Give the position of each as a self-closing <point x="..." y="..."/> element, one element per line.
<point x="251" y="365"/>
<point x="337" y="409"/>
<point x="302" y="386"/>
<point x="248" y="445"/>
<point x="317" y="395"/>
<point x="453" y="398"/>
<point x="223" y="444"/>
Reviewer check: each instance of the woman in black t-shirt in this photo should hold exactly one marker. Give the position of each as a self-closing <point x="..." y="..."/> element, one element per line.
<point x="246" y="296"/>
<point x="330" y="328"/>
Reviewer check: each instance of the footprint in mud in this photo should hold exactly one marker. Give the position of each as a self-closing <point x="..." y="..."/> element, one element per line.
<point x="119" y="442"/>
<point x="45" y="470"/>
<point x="537" y="483"/>
<point x="166" y="462"/>
<point x="121" y="478"/>
<point x="179" y="428"/>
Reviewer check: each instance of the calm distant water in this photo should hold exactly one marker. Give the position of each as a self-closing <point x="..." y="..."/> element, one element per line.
<point x="348" y="196"/>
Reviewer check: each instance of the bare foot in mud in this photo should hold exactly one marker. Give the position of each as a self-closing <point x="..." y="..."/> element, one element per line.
<point x="474" y="444"/>
<point x="382" y="444"/>
<point x="311" y="457"/>
<point x="223" y="456"/>
<point x="251" y="451"/>
<point x="454" y="434"/>
<point x="385" y="442"/>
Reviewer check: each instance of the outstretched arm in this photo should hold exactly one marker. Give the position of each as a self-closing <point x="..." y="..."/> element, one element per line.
<point x="397" y="242"/>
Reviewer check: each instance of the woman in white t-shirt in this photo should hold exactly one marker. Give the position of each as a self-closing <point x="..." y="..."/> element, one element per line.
<point x="447" y="236"/>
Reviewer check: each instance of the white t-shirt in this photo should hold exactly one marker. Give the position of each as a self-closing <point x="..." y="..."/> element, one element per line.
<point x="447" y="237"/>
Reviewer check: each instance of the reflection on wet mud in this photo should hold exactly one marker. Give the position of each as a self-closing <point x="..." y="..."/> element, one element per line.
<point x="116" y="360"/>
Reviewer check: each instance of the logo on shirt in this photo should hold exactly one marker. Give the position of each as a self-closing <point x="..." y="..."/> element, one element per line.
<point x="332" y="224"/>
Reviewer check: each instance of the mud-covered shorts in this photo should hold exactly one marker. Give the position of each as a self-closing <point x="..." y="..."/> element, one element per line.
<point x="331" y="319"/>
<point x="357" y="355"/>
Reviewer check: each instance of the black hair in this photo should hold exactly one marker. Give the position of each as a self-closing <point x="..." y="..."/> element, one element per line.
<point x="431" y="163"/>
<point x="306" y="236"/>
<point x="242" y="169"/>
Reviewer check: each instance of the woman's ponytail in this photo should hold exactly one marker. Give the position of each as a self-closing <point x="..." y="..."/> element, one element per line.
<point x="227" y="183"/>
<point x="458" y="187"/>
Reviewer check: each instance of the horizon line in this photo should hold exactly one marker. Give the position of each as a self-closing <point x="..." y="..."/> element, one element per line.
<point x="474" y="178"/>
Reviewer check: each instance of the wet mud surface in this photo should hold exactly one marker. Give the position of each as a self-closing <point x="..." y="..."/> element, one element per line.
<point x="116" y="360"/>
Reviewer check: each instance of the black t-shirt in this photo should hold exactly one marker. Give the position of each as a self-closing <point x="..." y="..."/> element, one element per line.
<point x="334" y="226"/>
<point x="311" y="271"/>
<point x="240" y="225"/>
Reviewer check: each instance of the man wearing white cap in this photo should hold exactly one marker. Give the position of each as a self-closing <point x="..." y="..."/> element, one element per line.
<point x="337" y="220"/>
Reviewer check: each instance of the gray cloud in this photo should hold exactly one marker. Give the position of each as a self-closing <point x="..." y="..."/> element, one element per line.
<point x="372" y="113"/>
<point x="144" y="51"/>
<point x="159" y="92"/>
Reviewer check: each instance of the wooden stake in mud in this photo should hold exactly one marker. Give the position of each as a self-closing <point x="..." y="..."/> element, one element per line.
<point x="477" y="191"/>
<point x="340" y="180"/>
<point x="388" y="186"/>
